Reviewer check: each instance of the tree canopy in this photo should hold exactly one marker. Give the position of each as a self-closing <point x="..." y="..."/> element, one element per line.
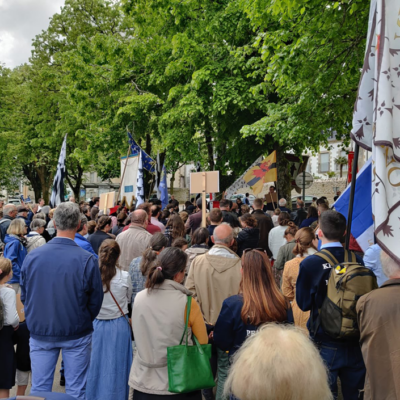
<point x="220" y="82"/>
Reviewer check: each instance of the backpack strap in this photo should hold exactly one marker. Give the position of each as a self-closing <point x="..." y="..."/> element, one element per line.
<point x="349" y="256"/>
<point x="327" y="256"/>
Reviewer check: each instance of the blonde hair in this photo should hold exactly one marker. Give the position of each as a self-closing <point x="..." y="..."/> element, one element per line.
<point x="51" y="212"/>
<point x="184" y="216"/>
<point x="279" y="362"/>
<point x="5" y="267"/>
<point x="277" y="211"/>
<point x="304" y="240"/>
<point x="17" y="227"/>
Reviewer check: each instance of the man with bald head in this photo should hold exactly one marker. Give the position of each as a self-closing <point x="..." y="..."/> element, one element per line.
<point x="135" y="240"/>
<point x="212" y="278"/>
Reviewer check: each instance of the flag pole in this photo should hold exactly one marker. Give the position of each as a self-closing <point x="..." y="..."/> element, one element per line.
<point x="352" y="192"/>
<point x="123" y="174"/>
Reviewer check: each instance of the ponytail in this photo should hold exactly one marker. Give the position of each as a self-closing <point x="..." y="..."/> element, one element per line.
<point x="169" y="262"/>
<point x="157" y="242"/>
<point x="304" y="240"/>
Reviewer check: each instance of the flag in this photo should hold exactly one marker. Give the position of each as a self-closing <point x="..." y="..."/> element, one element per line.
<point x="163" y="189"/>
<point x="147" y="161"/>
<point x="261" y="173"/>
<point x="57" y="193"/>
<point x="158" y="173"/>
<point x="376" y="120"/>
<point x="362" y="227"/>
<point x="140" y="183"/>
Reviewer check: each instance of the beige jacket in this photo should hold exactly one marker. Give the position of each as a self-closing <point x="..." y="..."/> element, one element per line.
<point x="192" y="253"/>
<point x="379" y="322"/>
<point x="212" y="279"/>
<point x="133" y="242"/>
<point x="158" y="321"/>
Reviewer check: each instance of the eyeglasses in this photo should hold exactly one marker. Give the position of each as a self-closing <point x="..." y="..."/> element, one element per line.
<point x="258" y="249"/>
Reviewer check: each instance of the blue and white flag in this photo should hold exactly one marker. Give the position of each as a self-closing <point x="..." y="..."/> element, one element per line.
<point x="362" y="227"/>
<point x="163" y="188"/>
<point x="148" y="162"/>
<point x="139" y="183"/>
<point x="57" y="193"/>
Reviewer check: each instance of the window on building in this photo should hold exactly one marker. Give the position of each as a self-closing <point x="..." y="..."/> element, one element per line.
<point x="324" y="159"/>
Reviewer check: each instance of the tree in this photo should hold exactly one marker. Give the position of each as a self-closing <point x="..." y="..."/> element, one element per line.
<point x="341" y="161"/>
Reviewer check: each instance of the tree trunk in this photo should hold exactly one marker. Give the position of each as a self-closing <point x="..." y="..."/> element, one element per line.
<point x="284" y="182"/>
<point x="76" y="183"/>
<point x="171" y="183"/>
<point x="30" y="173"/>
<point x="45" y="181"/>
<point x="210" y="150"/>
<point x="341" y="169"/>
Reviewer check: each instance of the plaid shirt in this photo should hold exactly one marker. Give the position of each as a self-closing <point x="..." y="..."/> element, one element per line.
<point x="138" y="280"/>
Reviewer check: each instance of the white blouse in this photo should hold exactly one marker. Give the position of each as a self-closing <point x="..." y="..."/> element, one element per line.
<point x="121" y="288"/>
<point x="9" y="299"/>
<point x="276" y="240"/>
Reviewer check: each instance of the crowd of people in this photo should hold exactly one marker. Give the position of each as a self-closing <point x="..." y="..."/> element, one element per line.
<point x="109" y="291"/>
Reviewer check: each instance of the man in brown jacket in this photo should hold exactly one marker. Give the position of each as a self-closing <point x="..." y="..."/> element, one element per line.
<point x="264" y="224"/>
<point x="212" y="278"/>
<point x="379" y="322"/>
<point x="135" y="240"/>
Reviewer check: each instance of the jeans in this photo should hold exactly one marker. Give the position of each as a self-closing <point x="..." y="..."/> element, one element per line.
<point x="76" y="357"/>
<point x="346" y="362"/>
<point x="222" y="372"/>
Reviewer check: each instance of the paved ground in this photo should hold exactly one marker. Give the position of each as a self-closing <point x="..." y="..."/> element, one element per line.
<point x="56" y="385"/>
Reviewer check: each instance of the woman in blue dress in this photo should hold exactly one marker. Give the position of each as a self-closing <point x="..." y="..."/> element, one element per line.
<point x="112" y="343"/>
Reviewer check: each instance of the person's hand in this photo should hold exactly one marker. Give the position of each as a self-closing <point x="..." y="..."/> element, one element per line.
<point x="16" y="327"/>
<point x="211" y="335"/>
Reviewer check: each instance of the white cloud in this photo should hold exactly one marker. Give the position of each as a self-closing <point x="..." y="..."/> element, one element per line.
<point x="20" y="22"/>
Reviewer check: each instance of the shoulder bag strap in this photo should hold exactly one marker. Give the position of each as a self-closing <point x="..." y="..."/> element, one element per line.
<point x="188" y="307"/>
<point x="120" y="309"/>
<point x="327" y="256"/>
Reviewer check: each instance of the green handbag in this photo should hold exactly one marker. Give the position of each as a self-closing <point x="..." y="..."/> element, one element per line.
<point x="189" y="367"/>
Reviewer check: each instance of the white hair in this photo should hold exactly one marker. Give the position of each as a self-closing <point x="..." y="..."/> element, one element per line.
<point x="226" y="240"/>
<point x="9" y="208"/>
<point x="278" y="362"/>
<point x="390" y="267"/>
<point x="66" y="216"/>
<point x="282" y="202"/>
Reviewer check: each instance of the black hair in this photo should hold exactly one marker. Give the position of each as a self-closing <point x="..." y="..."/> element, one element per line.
<point x="332" y="225"/>
<point x="200" y="236"/>
<point x="170" y="261"/>
<point x="231" y="220"/>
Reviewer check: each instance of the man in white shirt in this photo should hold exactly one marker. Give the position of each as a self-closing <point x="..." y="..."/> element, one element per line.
<point x="155" y="213"/>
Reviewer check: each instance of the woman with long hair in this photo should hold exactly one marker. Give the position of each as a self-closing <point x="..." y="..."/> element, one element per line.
<point x="276" y="237"/>
<point x="140" y="266"/>
<point x="158" y="320"/>
<point x="111" y="342"/>
<point x="249" y="236"/>
<point x="312" y="216"/>
<point x="259" y="301"/>
<point x="101" y="233"/>
<point x="175" y="228"/>
<point x="304" y="246"/>
<point x="15" y="249"/>
<point x="199" y="246"/>
<point x="120" y="225"/>
<point x="285" y="252"/>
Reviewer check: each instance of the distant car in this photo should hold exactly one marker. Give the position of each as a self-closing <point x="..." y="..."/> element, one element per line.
<point x="14" y="200"/>
<point x="308" y="201"/>
<point x="242" y="197"/>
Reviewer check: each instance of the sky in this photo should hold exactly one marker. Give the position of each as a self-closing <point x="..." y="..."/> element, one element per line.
<point x="20" y="22"/>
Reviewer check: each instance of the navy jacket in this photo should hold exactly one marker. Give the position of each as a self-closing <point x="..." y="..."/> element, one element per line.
<point x="16" y="252"/>
<point x="84" y="243"/>
<point x="96" y="239"/>
<point x="61" y="290"/>
<point x="230" y="331"/>
<point x="307" y="222"/>
<point x="248" y="238"/>
<point x="5" y="223"/>
<point x="311" y="288"/>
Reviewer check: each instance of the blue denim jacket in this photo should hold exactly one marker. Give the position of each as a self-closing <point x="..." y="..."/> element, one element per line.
<point x="138" y="280"/>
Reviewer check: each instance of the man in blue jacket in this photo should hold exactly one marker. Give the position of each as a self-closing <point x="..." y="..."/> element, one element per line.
<point x="80" y="239"/>
<point x="62" y="292"/>
<point x="342" y="357"/>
